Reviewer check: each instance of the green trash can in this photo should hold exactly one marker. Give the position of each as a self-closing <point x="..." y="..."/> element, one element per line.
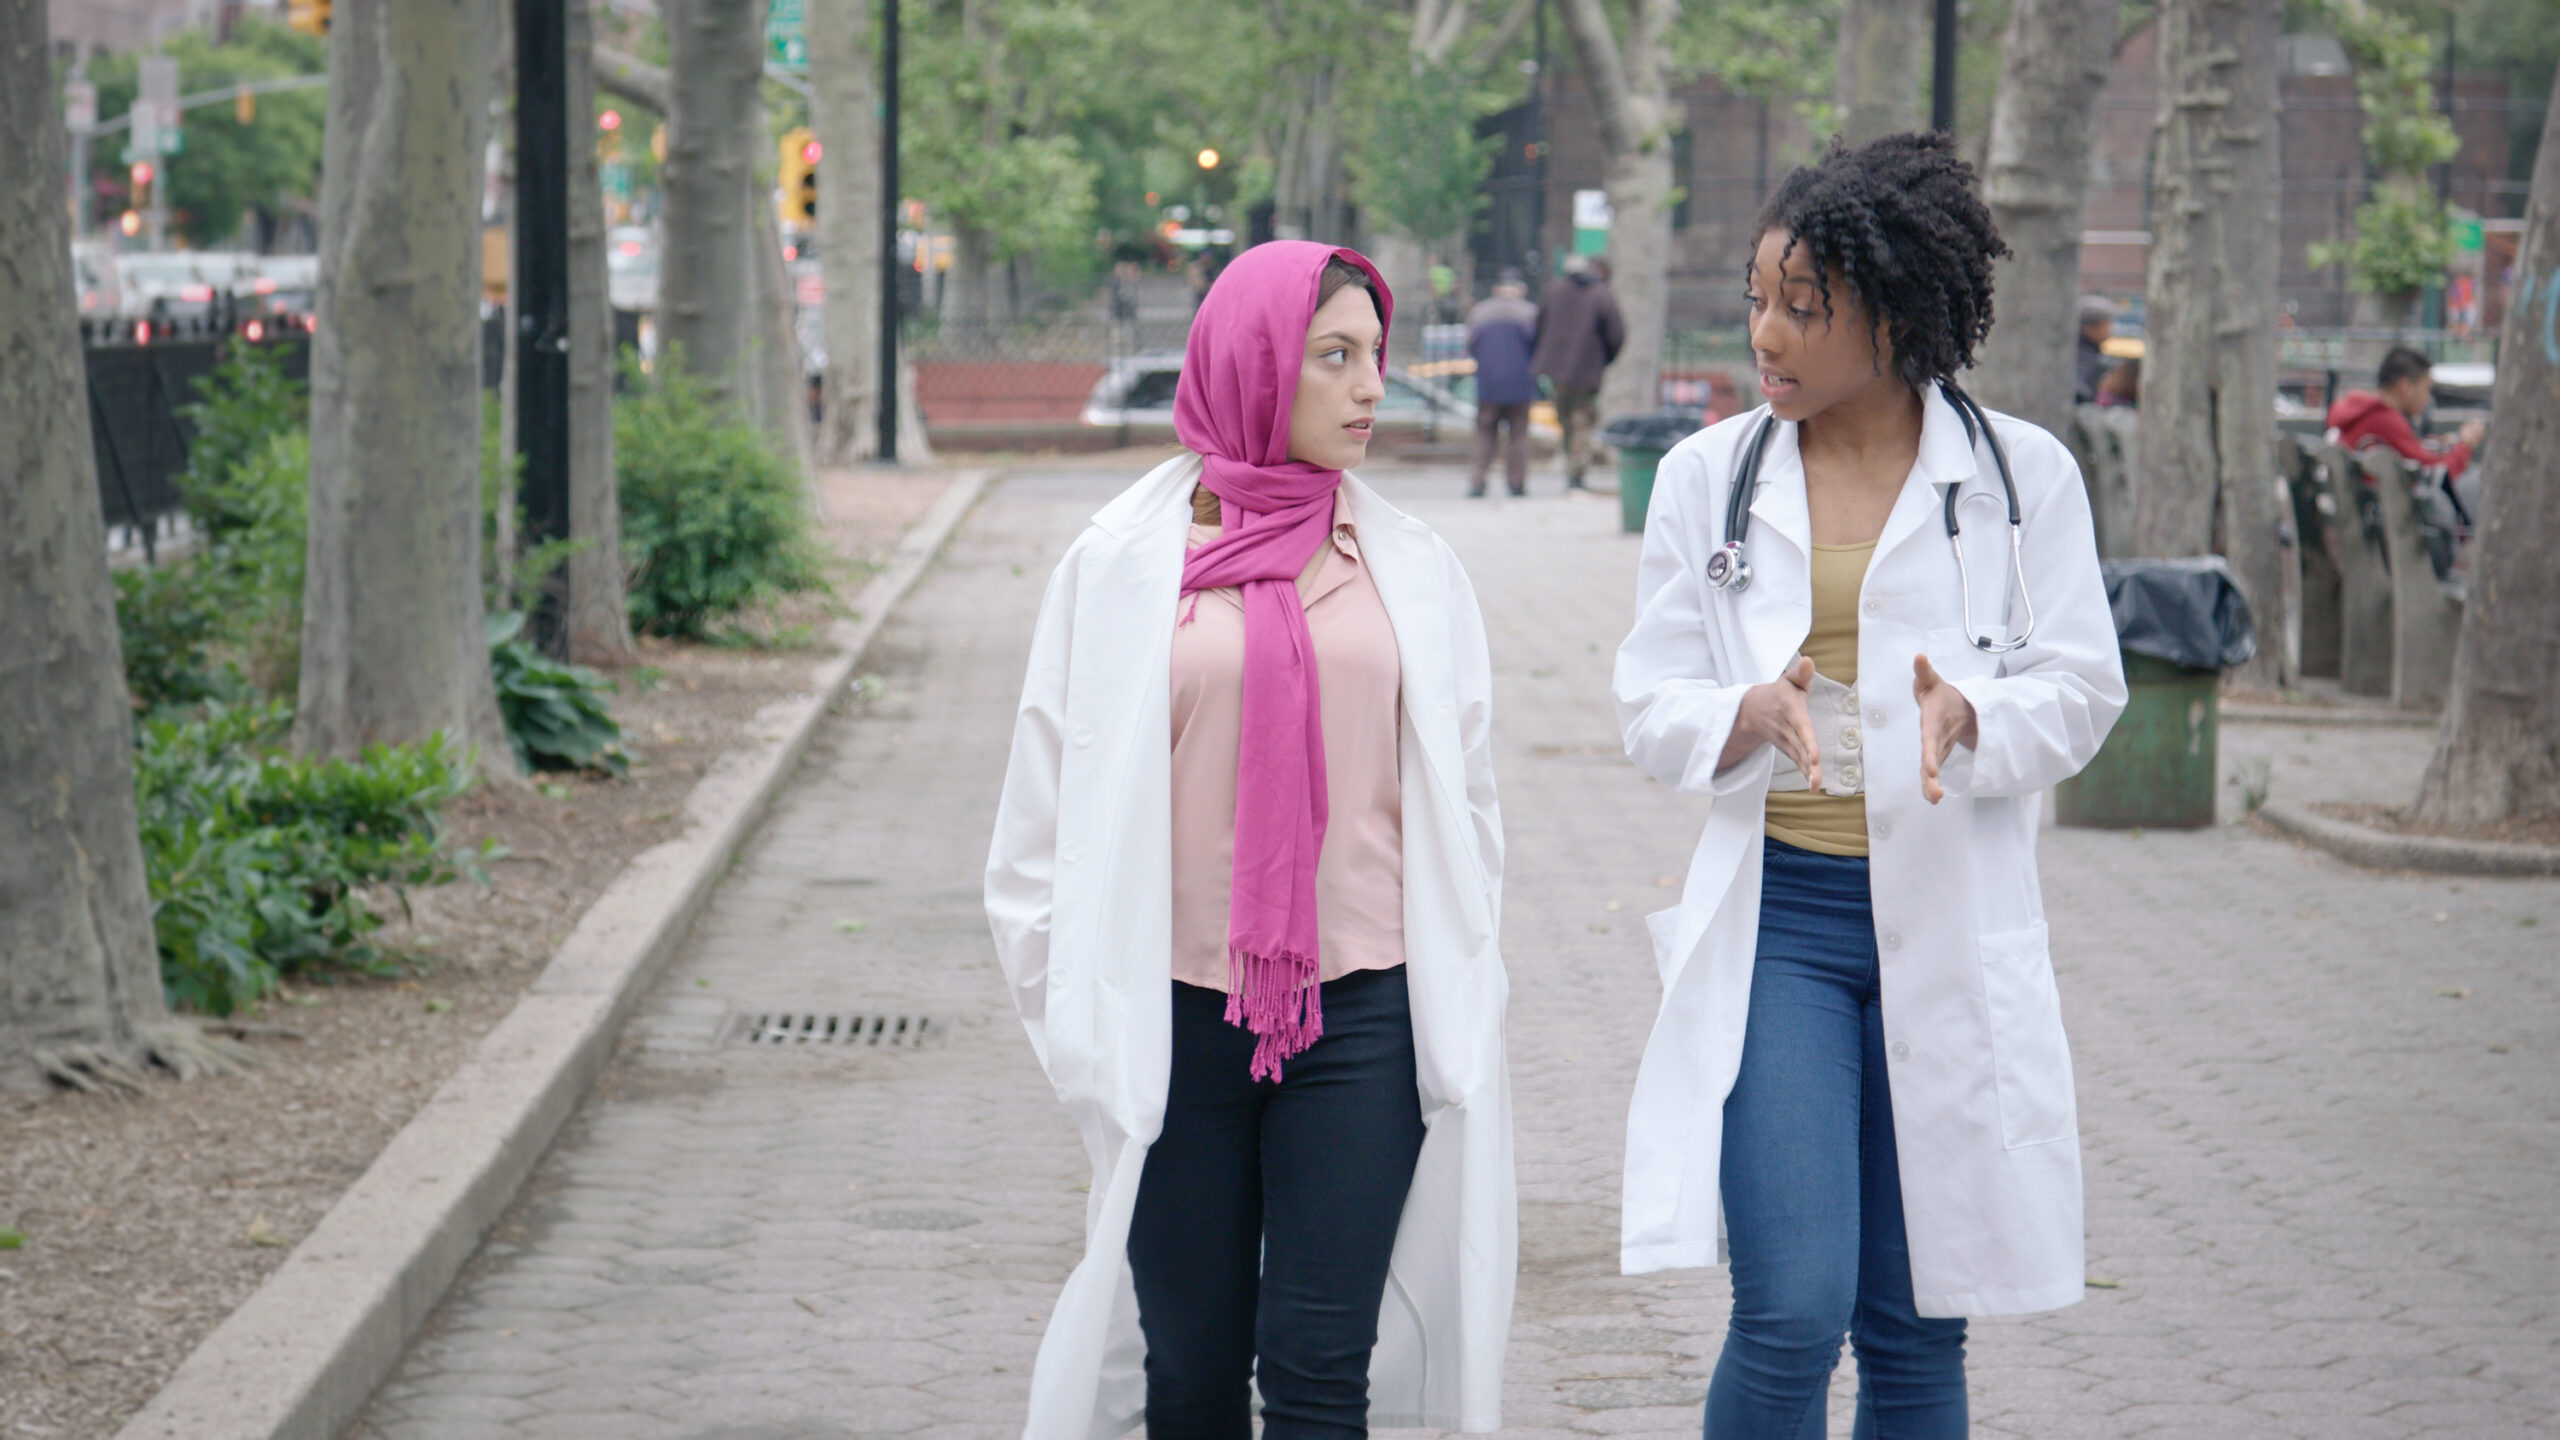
<point x="2158" y="767"/>
<point x="1641" y="441"/>
<point x="2180" y="623"/>
<point x="1635" y="484"/>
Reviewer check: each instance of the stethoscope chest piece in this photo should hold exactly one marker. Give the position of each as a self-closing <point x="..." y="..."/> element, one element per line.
<point x="1727" y="569"/>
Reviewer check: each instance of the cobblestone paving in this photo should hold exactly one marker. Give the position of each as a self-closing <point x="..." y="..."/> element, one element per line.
<point x="2319" y="1102"/>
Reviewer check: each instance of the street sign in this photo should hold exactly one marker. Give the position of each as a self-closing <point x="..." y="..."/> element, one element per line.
<point x="786" y="33"/>
<point x="80" y="105"/>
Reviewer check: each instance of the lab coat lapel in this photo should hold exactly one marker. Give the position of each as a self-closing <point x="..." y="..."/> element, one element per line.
<point x="1402" y="561"/>
<point x="1945" y="459"/>
<point x="1779" y="509"/>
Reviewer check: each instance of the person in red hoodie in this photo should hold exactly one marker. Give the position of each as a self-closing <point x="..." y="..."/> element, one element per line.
<point x="2385" y="415"/>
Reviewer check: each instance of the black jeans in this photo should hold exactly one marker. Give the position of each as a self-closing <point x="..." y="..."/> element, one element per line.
<point x="1267" y="1215"/>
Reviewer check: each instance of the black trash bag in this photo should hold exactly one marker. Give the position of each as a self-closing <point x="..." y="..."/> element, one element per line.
<point x="1658" y="431"/>
<point x="2187" y="612"/>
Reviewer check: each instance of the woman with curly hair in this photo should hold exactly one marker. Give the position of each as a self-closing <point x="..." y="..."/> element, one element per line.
<point x="1870" y="623"/>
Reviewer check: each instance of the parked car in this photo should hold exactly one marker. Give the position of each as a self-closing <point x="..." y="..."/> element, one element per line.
<point x="274" y="288"/>
<point x="93" y="269"/>
<point x="1137" y="394"/>
<point x="174" y="285"/>
<point x="631" y="267"/>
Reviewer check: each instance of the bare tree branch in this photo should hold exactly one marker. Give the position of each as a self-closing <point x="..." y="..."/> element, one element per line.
<point x="632" y="79"/>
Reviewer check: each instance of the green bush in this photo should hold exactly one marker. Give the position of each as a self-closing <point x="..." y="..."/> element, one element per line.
<point x="263" y="864"/>
<point x="190" y="625"/>
<point x="243" y="406"/>
<point x="169" y="623"/>
<point x="555" y="713"/>
<point x="712" y="519"/>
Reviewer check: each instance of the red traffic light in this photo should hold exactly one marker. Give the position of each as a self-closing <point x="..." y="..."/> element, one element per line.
<point x="811" y="151"/>
<point x="609" y="120"/>
<point x="142" y="172"/>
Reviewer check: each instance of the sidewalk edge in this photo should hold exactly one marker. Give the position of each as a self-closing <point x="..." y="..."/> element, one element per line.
<point x="2384" y="850"/>
<point x="299" y="1359"/>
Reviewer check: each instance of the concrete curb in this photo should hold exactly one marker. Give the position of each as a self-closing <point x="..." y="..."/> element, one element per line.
<point x="299" y="1359"/>
<point x="2384" y="850"/>
<point x="2246" y="713"/>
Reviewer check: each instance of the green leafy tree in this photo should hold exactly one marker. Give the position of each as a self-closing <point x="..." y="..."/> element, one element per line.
<point x="1419" y="165"/>
<point x="269" y="164"/>
<point x="2401" y="240"/>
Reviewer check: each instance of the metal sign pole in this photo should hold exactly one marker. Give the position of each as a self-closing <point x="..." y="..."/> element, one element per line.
<point x="542" y="292"/>
<point x="887" y="388"/>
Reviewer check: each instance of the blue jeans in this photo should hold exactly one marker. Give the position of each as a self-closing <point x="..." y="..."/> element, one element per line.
<point x="1812" y="1201"/>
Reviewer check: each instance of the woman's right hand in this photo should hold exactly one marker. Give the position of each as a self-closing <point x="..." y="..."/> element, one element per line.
<point x="1775" y="714"/>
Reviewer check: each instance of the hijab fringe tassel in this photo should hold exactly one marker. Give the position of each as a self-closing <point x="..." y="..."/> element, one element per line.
<point x="1279" y="1000"/>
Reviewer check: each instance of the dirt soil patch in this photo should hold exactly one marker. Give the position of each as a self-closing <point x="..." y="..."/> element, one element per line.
<point x="2544" y="830"/>
<point x="147" y="1221"/>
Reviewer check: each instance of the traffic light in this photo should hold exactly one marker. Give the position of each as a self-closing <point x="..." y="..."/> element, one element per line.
<point x="311" y="17"/>
<point x="800" y="152"/>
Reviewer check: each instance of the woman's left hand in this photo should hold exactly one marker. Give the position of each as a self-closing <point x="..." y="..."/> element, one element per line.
<point x="1946" y="721"/>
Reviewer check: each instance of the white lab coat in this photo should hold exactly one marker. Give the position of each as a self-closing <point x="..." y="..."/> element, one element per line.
<point x="1080" y="894"/>
<point x="1983" y="1108"/>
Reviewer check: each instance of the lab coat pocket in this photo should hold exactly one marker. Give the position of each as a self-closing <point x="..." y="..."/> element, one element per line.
<point x="2032" y="1057"/>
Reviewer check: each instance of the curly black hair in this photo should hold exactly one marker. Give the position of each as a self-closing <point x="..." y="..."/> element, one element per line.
<point x="1899" y="220"/>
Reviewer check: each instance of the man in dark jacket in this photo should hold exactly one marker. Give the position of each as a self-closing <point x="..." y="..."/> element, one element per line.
<point x="1579" y="332"/>
<point x="1502" y="331"/>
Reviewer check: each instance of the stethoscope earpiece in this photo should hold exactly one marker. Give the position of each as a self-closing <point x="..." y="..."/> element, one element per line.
<point x="1729" y="568"/>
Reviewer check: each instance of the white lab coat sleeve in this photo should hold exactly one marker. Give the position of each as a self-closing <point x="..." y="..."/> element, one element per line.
<point x="1675" y="709"/>
<point x="1471" y="662"/>
<point x="1022" y="858"/>
<point x="2044" y="715"/>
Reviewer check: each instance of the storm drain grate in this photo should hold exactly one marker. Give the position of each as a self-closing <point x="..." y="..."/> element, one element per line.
<point x="776" y="1028"/>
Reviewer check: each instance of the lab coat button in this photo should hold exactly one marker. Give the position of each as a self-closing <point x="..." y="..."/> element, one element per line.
<point x="1084" y="735"/>
<point x="1893" y="939"/>
<point x="1883" y="829"/>
<point x="1071" y="852"/>
<point x="1876" y="716"/>
<point x="1873" y="605"/>
<point x="1901" y="1050"/>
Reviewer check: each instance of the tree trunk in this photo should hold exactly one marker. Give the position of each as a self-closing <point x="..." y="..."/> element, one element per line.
<point x="842" y="99"/>
<point x="1631" y="97"/>
<point x="1884" y="55"/>
<point x="78" y="968"/>
<point x="707" y="281"/>
<point x="1406" y="267"/>
<point x="782" y="379"/>
<point x="2205" y="452"/>
<point x="394" y="646"/>
<point x="2043" y="124"/>
<point x="2498" y="751"/>
<point x="973" y="293"/>
<point x="598" y="621"/>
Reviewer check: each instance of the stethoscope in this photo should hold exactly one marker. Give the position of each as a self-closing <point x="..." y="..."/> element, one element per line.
<point x="1729" y="568"/>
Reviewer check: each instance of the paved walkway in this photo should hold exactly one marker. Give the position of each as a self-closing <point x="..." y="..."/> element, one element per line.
<point x="2319" y="1103"/>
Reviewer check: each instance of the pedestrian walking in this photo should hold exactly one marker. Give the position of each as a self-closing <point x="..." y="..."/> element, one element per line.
<point x="2090" y="361"/>
<point x="1246" y="883"/>
<point x="1579" y="334"/>
<point x="1876" y="652"/>
<point x="1502" y="333"/>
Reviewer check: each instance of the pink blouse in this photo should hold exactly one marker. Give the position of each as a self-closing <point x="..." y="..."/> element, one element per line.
<point x="1360" y="873"/>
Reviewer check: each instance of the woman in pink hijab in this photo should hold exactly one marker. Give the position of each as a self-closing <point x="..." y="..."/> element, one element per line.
<point x="1245" y="882"/>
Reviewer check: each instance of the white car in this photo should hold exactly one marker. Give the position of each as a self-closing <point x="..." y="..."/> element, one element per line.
<point x="1136" y="394"/>
<point x="175" y="284"/>
<point x="631" y="267"/>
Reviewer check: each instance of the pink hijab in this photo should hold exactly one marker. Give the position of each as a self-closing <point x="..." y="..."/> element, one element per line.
<point x="1231" y="407"/>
